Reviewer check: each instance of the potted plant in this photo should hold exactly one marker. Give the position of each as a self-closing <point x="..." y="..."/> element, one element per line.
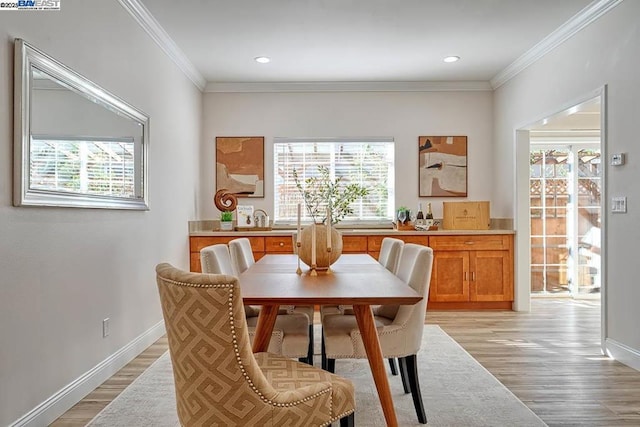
<point x="323" y="198"/>
<point x="320" y="192"/>
<point x="226" y="221"/>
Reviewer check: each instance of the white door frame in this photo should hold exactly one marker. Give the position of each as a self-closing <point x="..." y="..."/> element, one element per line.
<point x="522" y="291"/>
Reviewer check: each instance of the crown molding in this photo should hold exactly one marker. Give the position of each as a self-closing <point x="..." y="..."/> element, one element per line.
<point x="348" y="87"/>
<point x="585" y="17"/>
<point x="142" y="15"/>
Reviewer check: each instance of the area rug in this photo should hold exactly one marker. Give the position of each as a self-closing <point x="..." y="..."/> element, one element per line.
<point x="456" y="390"/>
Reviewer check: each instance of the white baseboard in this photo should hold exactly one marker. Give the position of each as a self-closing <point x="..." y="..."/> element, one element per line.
<point x="56" y="405"/>
<point x="623" y="354"/>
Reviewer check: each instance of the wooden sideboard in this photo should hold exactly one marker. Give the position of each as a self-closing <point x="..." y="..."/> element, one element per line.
<point x="471" y="270"/>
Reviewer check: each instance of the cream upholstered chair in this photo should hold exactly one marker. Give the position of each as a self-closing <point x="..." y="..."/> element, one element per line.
<point x="399" y="327"/>
<point x="290" y="334"/>
<point x="242" y="258"/>
<point x="219" y="381"/>
<point x="241" y="254"/>
<point x="390" y="250"/>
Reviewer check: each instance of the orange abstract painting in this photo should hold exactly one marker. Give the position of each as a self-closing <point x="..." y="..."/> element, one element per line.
<point x="240" y="165"/>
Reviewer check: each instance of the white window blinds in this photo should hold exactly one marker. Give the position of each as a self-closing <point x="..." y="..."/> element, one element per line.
<point x="97" y="166"/>
<point x="365" y="161"/>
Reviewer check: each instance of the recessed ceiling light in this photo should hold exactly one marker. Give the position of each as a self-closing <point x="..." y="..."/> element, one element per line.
<point x="451" y="58"/>
<point x="262" y="59"/>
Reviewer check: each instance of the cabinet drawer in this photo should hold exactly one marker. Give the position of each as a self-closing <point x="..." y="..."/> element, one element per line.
<point x="279" y="244"/>
<point x="197" y="243"/>
<point x="375" y="242"/>
<point x="470" y="242"/>
<point x="354" y="244"/>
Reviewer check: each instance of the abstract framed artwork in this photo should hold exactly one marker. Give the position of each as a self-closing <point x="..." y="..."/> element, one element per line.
<point x="442" y="161"/>
<point x="240" y="165"/>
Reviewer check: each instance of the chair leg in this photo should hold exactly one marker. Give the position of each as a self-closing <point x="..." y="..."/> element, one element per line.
<point x="392" y="365"/>
<point x="310" y="349"/>
<point x="323" y="353"/>
<point x="412" y="371"/>
<point x="348" y="421"/>
<point x="331" y="365"/>
<point x="404" y="374"/>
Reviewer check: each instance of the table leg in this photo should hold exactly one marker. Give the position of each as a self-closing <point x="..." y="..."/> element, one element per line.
<point x="367" y="327"/>
<point x="264" y="328"/>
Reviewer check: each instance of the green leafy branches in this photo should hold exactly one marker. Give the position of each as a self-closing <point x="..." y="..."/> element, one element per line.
<point x="320" y="192"/>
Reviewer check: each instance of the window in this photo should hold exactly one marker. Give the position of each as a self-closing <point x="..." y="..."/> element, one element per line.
<point x="366" y="161"/>
<point x="93" y="166"/>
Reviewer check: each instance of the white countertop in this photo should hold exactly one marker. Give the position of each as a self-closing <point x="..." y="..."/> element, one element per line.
<point x="348" y="232"/>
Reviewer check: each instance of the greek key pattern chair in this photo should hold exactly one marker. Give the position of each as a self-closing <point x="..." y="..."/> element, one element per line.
<point x="219" y="381"/>
<point x="290" y="335"/>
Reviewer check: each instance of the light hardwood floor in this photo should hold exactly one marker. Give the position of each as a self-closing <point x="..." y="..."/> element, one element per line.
<point x="549" y="358"/>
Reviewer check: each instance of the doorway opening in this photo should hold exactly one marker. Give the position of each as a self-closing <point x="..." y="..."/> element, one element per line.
<point x="565" y="203"/>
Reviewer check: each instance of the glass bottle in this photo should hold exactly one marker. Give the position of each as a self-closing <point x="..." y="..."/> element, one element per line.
<point x="419" y="215"/>
<point x="429" y="213"/>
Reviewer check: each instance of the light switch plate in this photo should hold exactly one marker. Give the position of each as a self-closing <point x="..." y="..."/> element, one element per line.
<point x="617" y="159"/>
<point x="619" y="204"/>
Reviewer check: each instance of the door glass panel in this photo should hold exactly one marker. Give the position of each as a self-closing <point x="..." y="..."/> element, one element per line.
<point x="588" y="225"/>
<point x="565" y="217"/>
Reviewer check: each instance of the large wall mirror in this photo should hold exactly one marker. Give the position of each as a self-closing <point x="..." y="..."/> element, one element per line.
<point x="76" y="145"/>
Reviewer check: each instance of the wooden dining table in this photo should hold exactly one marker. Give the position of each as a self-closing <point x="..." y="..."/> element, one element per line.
<point x="355" y="279"/>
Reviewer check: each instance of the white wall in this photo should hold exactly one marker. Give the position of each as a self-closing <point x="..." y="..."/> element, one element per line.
<point x="604" y="53"/>
<point x="401" y="115"/>
<point x="64" y="270"/>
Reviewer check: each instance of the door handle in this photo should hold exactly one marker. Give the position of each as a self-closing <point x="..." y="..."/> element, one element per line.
<point x="466" y="276"/>
<point x="473" y="276"/>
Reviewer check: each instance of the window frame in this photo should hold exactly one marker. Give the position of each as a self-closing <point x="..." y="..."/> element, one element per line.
<point x="346" y="223"/>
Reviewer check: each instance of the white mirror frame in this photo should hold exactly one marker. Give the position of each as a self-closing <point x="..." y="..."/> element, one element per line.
<point x="28" y="57"/>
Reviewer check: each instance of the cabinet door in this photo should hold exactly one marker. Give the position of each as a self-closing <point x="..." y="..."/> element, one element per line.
<point x="450" y="276"/>
<point x="491" y="276"/>
<point x="354" y="244"/>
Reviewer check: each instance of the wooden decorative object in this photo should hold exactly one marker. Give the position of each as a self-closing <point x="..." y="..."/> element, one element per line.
<point x="404" y="227"/>
<point x="324" y="258"/>
<point x="225" y="201"/>
<point x="466" y="216"/>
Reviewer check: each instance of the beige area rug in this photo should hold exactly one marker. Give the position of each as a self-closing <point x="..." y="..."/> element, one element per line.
<point x="456" y="390"/>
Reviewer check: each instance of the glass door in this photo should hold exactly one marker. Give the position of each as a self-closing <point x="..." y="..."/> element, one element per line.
<point x="588" y="221"/>
<point x="565" y="219"/>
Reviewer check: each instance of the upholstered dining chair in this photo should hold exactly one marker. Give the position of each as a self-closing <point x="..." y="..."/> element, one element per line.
<point x="219" y="380"/>
<point x="242" y="258"/>
<point x="241" y="254"/>
<point x="290" y="335"/>
<point x="399" y="327"/>
<point x="390" y="249"/>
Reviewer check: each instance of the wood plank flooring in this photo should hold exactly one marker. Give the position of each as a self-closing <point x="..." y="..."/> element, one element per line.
<point x="549" y="358"/>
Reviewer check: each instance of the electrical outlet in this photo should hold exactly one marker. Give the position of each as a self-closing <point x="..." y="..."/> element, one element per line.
<point x="105" y="328"/>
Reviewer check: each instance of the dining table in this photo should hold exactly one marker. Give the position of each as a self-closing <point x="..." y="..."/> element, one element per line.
<point x="354" y="279"/>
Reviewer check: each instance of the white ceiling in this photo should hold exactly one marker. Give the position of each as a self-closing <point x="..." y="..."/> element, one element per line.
<point x="357" y="40"/>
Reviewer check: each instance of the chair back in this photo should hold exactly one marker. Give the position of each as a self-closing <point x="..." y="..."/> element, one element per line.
<point x="390" y="253"/>
<point x="214" y="368"/>
<point x="414" y="268"/>
<point x="215" y="259"/>
<point x="241" y="254"/>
